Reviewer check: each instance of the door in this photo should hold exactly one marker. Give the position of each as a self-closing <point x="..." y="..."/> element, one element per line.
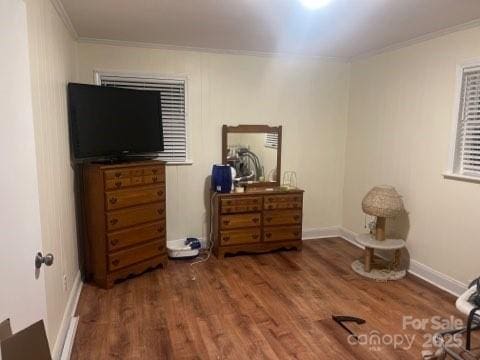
<point x="22" y="288"/>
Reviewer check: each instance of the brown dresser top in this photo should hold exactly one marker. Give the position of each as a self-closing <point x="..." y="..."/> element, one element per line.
<point x="259" y="191"/>
<point x="127" y="164"/>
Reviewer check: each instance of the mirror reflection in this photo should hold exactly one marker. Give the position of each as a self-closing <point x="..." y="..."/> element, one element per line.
<point x="253" y="155"/>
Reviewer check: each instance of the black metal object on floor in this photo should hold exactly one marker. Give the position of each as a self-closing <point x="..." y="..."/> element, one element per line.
<point x="341" y="319"/>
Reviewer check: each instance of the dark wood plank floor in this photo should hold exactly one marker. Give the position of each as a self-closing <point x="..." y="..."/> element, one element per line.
<point x="270" y="306"/>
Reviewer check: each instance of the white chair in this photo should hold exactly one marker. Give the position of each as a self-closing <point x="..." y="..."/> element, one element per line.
<point x="472" y="312"/>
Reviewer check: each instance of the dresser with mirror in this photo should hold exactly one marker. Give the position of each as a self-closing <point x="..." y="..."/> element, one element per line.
<point x="264" y="216"/>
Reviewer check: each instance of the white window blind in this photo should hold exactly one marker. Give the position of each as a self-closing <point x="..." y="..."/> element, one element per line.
<point x="467" y="144"/>
<point x="172" y="99"/>
<point x="271" y="140"/>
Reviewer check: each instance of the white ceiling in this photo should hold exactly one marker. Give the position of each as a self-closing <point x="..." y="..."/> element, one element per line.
<point x="343" y="28"/>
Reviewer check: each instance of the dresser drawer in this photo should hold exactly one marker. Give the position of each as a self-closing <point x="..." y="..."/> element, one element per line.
<point x="131" y="256"/>
<point x="153" y="179"/>
<point x="134" y="196"/>
<point x="152" y="175"/>
<point x="238" y="221"/>
<point x="154" y="170"/>
<point x="128" y="237"/>
<point x="129" y="217"/>
<point x="293" y="201"/>
<point x="242" y="236"/>
<point x="117" y="174"/>
<point x="240" y="204"/>
<point x="137" y="180"/>
<point x="117" y="183"/>
<point x="282" y="233"/>
<point x="282" y="217"/>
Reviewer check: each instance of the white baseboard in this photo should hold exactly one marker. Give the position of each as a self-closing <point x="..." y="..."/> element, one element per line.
<point x="432" y="276"/>
<point x="436" y="278"/>
<point x="320" y="233"/>
<point x="69" y="340"/>
<point x="64" y="334"/>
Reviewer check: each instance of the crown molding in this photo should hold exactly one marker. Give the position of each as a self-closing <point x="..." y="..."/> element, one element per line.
<point x="417" y="40"/>
<point x="57" y="4"/>
<point x="147" y="45"/>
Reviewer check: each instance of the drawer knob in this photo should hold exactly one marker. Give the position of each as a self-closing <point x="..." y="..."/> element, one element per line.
<point x="160" y="248"/>
<point x="118" y="174"/>
<point x="115" y="262"/>
<point x="118" y="184"/>
<point x="255" y="236"/>
<point x="154" y="178"/>
<point x="113" y="200"/>
<point x="226" y="222"/>
<point x="296" y="217"/>
<point x="113" y="221"/>
<point x="159" y="193"/>
<point x="269" y="219"/>
<point x="114" y="242"/>
<point x="255" y="208"/>
<point x="270" y="206"/>
<point x="226" y="238"/>
<point x="154" y="171"/>
<point x="160" y="229"/>
<point x="255" y="220"/>
<point x="229" y="202"/>
<point x="268" y="235"/>
<point x="296" y="233"/>
<point x="160" y="211"/>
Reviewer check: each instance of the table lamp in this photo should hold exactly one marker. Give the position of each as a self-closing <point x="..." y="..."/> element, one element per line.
<point x="383" y="202"/>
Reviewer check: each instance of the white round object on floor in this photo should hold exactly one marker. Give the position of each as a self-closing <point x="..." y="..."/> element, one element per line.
<point x="178" y="250"/>
<point x="378" y="274"/>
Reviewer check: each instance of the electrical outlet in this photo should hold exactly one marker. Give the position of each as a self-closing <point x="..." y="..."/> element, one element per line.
<point x="65" y="285"/>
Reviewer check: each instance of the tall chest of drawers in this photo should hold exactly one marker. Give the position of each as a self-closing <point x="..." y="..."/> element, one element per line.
<point x="257" y="221"/>
<point x="125" y="214"/>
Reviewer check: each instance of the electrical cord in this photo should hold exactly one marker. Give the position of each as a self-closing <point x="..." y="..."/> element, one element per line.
<point x="210" y="240"/>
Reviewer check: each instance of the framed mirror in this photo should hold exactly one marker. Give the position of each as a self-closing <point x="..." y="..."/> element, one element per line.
<point x="255" y="152"/>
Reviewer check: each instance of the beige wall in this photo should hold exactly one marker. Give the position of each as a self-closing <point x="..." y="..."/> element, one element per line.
<point x="399" y="128"/>
<point x="53" y="64"/>
<point x="307" y="96"/>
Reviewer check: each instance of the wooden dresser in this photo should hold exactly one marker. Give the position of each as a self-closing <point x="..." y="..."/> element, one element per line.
<point x="124" y="211"/>
<point x="257" y="221"/>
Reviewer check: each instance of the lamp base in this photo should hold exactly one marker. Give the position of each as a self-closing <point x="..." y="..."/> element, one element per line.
<point x="382" y="274"/>
<point x="380" y="228"/>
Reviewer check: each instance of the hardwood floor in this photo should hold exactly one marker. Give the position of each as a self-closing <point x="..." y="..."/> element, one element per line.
<point x="271" y="306"/>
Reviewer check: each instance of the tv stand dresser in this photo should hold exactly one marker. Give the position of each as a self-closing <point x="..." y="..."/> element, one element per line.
<point x="257" y="221"/>
<point x="124" y="211"/>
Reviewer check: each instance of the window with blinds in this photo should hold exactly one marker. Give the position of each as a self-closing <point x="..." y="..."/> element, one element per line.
<point x="467" y="144"/>
<point x="172" y="97"/>
<point x="271" y="140"/>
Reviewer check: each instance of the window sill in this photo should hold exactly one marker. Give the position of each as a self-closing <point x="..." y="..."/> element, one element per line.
<point x="460" y="177"/>
<point x="173" y="163"/>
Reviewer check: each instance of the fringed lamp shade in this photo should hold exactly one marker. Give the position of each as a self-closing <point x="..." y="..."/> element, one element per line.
<point x="382" y="202"/>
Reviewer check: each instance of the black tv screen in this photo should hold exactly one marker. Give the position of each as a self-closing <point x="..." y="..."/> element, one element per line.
<point x="112" y="122"/>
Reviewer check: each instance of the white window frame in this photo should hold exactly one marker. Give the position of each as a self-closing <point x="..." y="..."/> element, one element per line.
<point x="451" y="172"/>
<point x="97" y="75"/>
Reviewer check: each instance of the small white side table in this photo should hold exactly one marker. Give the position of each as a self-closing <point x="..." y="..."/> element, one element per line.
<point x="371" y="244"/>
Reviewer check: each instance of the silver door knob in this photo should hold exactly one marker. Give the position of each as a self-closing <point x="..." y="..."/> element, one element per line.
<point x="40" y="259"/>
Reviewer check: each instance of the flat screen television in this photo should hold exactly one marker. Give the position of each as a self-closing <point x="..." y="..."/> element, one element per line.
<point x="108" y="122"/>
